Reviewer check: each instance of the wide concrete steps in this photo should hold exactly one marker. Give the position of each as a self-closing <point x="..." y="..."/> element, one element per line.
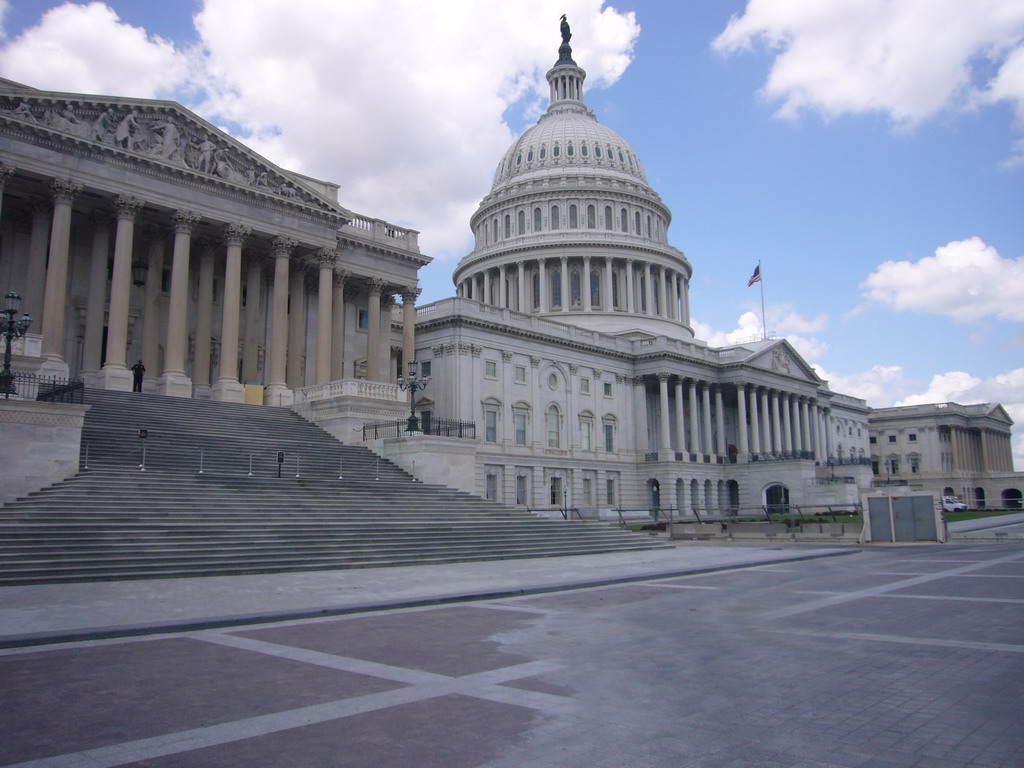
<point x="125" y="516"/>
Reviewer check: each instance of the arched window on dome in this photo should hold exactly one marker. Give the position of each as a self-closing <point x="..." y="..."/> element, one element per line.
<point x="536" y="290"/>
<point x="529" y="155"/>
<point x="556" y="289"/>
<point x="536" y="220"/>
<point x="642" y="285"/>
<point x="508" y="226"/>
<point x="521" y="222"/>
<point x="543" y="151"/>
<point x="494" y="230"/>
<point x="621" y="158"/>
<point x="569" y="150"/>
<point x="554" y="217"/>
<point x="595" y="288"/>
<point x="648" y="225"/>
<point x="636" y="222"/>
<point x="591" y="217"/>
<point x="597" y="150"/>
<point x="575" y="292"/>
<point x="630" y="156"/>
<point x="519" y="159"/>
<point x="574" y="222"/>
<point x="608" y="222"/>
<point x="615" y="290"/>
<point x="556" y="150"/>
<point x="624" y="220"/>
<point x="583" y="149"/>
<point x="610" y="155"/>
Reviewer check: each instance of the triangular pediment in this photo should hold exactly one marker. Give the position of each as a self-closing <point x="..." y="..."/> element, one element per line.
<point x="156" y="133"/>
<point x="780" y="357"/>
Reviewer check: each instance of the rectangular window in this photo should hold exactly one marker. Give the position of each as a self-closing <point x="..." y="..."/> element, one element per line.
<point x="554" y="438"/>
<point x="912" y="437"/>
<point x="425" y="369"/>
<point x="588" y="491"/>
<point x="872" y="440"/>
<point x="915" y="465"/>
<point x="556" y="492"/>
<point x="520" y="424"/>
<point x="584" y="386"/>
<point x="892" y="438"/>
<point x="491" y="369"/>
<point x="609" y="486"/>
<point x="520" y="489"/>
<point x="492" y="487"/>
<point x="609" y="437"/>
<point x="520" y="374"/>
<point x="607" y="389"/>
<point x="585" y="429"/>
<point x="364" y="320"/>
<point x="491" y="426"/>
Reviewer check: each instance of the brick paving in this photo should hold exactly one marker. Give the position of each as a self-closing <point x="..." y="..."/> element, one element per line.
<point x="894" y="657"/>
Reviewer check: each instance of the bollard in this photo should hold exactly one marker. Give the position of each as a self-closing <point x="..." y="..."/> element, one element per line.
<point x="200" y="461"/>
<point x="296" y="466"/>
<point x="250" y="465"/>
<point x="341" y="468"/>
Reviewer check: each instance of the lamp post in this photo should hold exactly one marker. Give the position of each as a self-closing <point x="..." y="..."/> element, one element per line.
<point x="12" y="329"/>
<point x="413" y="382"/>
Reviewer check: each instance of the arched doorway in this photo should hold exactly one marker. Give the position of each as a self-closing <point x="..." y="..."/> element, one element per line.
<point x="776" y="498"/>
<point x="1012" y="498"/>
<point x="654" y="488"/>
<point x="979" y="498"/>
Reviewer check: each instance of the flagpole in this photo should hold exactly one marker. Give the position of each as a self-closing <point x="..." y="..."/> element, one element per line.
<point x="764" y="325"/>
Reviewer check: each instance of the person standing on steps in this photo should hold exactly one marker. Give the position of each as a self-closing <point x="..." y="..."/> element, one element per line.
<point x="138" y="371"/>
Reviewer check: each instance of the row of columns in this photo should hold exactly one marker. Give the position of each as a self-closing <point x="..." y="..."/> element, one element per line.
<point x="980" y="450"/>
<point x="287" y="330"/>
<point x="508" y="286"/>
<point x="769" y="421"/>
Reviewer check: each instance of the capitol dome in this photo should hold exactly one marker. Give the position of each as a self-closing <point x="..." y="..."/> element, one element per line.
<point x="571" y="229"/>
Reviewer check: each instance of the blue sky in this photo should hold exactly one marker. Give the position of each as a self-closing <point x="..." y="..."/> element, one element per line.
<point x="868" y="153"/>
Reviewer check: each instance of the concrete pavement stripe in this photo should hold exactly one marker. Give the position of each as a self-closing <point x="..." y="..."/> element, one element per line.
<point x="876" y="591"/>
<point x="907" y="640"/>
<point x="918" y="597"/>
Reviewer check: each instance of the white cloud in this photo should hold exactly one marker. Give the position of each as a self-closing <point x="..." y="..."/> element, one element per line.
<point x="87" y="49"/>
<point x="783" y="320"/>
<point x="401" y="103"/>
<point x="966" y="280"/>
<point x="876" y="385"/>
<point x="908" y="59"/>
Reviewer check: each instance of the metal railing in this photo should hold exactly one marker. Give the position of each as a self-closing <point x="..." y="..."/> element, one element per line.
<point x="25" y="385"/>
<point x="437" y="427"/>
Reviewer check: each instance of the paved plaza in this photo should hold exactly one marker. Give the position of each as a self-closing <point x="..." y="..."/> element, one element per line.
<point x="888" y="656"/>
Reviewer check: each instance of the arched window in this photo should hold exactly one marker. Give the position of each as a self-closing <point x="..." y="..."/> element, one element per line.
<point x="597" y="150"/>
<point x="575" y="297"/>
<point x="508" y="226"/>
<point x="595" y="288"/>
<point x="536" y="219"/>
<point x="573" y="218"/>
<point x="624" y="220"/>
<point x="536" y="290"/>
<point x="591" y="216"/>
<point x="569" y="151"/>
<point x="615" y="290"/>
<point x="543" y="151"/>
<point x="554" y="217"/>
<point x="583" y="149"/>
<point x="648" y="225"/>
<point x="556" y="289"/>
<point x="636" y="222"/>
<point x="521" y="221"/>
<point x="608" y="217"/>
<point x="552" y="421"/>
<point x="495" y="230"/>
<point x="556" y="150"/>
<point x="529" y="155"/>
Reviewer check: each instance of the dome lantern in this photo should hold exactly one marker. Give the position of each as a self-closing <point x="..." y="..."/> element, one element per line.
<point x="566" y="77"/>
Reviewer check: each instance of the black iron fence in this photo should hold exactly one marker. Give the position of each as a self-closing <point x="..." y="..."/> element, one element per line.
<point x="53" y="389"/>
<point x="433" y="426"/>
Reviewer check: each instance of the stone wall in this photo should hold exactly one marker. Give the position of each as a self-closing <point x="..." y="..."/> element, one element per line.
<point x="41" y="444"/>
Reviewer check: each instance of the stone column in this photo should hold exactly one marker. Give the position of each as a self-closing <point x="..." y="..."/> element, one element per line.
<point x="608" y="300"/>
<point x="755" y="423"/>
<point x="787" y="428"/>
<point x="487" y="287"/>
<point x="643" y="443"/>
<point x="388" y="354"/>
<point x="805" y="427"/>
<point x="630" y="292"/>
<point x="296" y="365"/>
<point x="542" y="282"/>
<point x="743" y="449"/>
<point x="680" y="419"/>
<point x="566" y="288"/>
<point x="326" y="259"/>
<point x="766" y="425"/>
<point x="585" y="284"/>
<point x="173" y="380"/>
<point x="521" y="286"/>
<point x="39" y="243"/>
<point x="648" y="289"/>
<point x="204" y="322"/>
<point x="97" y="300"/>
<point x="115" y="374"/>
<point x="694" y="420"/>
<point x="338" y="331"/>
<point x="720" y="447"/>
<point x="227" y="386"/>
<point x="6" y="171"/>
<point x="373" y="356"/>
<point x="55" y="297"/>
<point x="151" y="310"/>
<point x="665" y="445"/>
<point x="253" y="317"/>
<point x="776" y="424"/>
<point x="408" y="326"/>
<point x="666" y="305"/>
<point x="277" y="392"/>
<point x="705" y="400"/>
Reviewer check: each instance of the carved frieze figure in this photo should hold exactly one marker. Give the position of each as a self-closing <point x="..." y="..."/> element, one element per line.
<point x="128" y="131"/>
<point x="104" y="127"/>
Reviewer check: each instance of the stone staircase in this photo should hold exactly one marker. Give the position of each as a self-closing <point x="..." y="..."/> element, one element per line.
<point x="205" y="498"/>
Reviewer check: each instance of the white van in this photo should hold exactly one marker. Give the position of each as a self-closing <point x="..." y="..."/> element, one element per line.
<point x="953" y="504"/>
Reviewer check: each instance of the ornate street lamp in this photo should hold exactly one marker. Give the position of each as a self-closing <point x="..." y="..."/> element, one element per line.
<point x="12" y="329"/>
<point x="139" y="270"/>
<point x="413" y="382"/>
